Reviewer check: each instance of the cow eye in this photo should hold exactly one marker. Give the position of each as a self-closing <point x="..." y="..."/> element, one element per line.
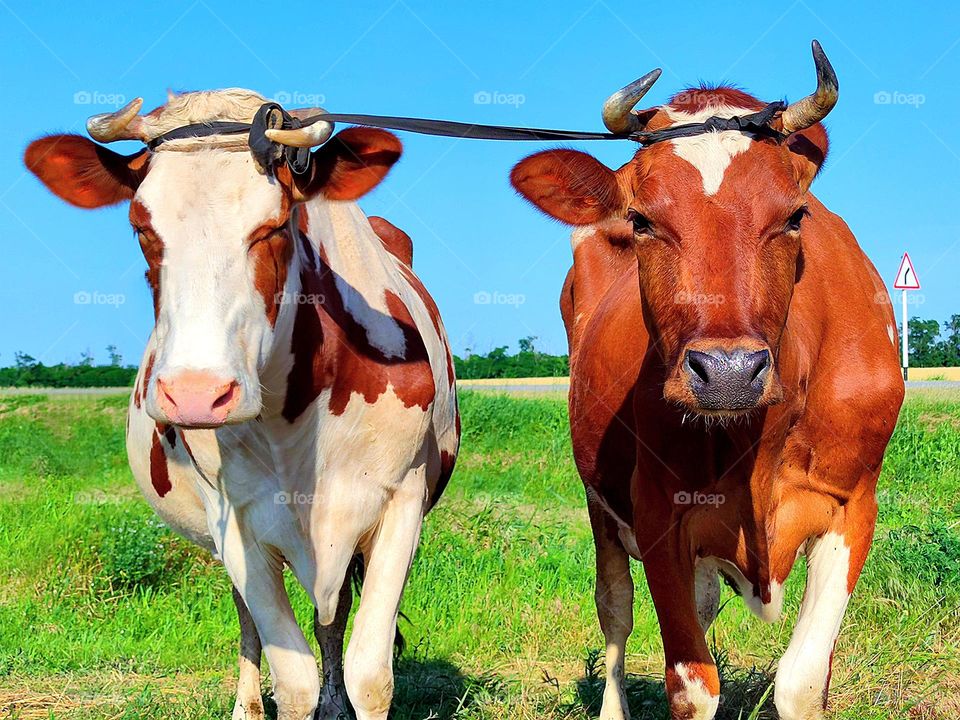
<point x="793" y="222"/>
<point x="641" y="223"/>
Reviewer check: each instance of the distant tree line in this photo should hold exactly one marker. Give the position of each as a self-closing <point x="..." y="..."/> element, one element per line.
<point x="528" y="362"/>
<point x="933" y="345"/>
<point x="27" y="371"/>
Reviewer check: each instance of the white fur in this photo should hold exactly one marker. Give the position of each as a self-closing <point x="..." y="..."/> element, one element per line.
<point x="267" y="493"/>
<point x="710" y="153"/>
<point x="233" y="104"/>
<point x="696" y="693"/>
<point x="581" y="233"/>
<point x="768" y="612"/>
<point x="803" y="671"/>
<point x="203" y="205"/>
<point x="363" y="270"/>
<point x="707" y="588"/>
<point x="624" y="530"/>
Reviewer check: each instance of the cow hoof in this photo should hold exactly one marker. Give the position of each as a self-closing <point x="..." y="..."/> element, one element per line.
<point x="248" y="709"/>
<point x="687" y="688"/>
<point x="614" y="704"/>
<point x="334" y="706"/>
<point x="797" y="702"/>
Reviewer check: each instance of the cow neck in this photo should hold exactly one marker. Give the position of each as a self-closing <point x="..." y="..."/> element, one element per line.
<point x="362" y="270"/>
<point x="337" y="251"/>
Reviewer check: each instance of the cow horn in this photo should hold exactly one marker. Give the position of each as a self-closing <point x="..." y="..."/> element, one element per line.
<point x="316" y="133"/>
<point x="814" y="108"/>
<point x="618" y="113"/>
<point x="124" y="124"/>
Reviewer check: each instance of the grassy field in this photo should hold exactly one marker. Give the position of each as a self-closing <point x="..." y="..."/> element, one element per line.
<point x="103" y="614"/>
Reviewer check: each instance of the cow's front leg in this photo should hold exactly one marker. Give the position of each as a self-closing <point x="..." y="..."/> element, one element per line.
<point x="834" y="562"/>
<point x="369" y="662"/>
<point x="249" y="704"/>
<point x="614" y="600"/>
<point x="333" y="699"/>
<point x="258" y="575"/>
<point x="693" y="685"/>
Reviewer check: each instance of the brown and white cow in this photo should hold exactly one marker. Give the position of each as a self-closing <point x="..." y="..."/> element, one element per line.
<point x="296" y="404"/>
<point x="734" y="381"/>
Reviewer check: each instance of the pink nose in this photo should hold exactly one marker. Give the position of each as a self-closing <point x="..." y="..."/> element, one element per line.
<point x="197" y="399"/>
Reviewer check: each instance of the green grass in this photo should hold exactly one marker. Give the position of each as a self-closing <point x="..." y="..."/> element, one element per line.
<point x="104" y="615"/>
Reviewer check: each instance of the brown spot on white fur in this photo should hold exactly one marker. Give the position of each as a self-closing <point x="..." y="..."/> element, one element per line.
<point x="331" y="350"/>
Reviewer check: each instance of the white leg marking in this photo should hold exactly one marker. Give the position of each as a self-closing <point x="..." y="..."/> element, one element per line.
<point x="708" y="593"/>
<point x="259" y="579"/>
<point x="804" y="670"/>
<point x="369" y="663"/>
<point x="702" y="705"/>
<point x="614" y="596"/>
<point x="614" y="600"/>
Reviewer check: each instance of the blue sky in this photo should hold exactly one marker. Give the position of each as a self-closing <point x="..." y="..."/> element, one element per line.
<point x="72" y="280"/>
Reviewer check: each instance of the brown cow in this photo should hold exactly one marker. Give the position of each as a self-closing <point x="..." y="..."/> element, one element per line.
<point x="734" y="379"/>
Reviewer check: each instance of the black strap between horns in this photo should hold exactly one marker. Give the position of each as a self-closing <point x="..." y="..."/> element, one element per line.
<point x="272" y="115"/>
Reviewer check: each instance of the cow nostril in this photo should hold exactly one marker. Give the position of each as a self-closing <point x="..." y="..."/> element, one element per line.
<point x="762" y="362"/>
<point x="227" y="397"/>
<point x="166" y="392"/>
<point x="697" y="367"/>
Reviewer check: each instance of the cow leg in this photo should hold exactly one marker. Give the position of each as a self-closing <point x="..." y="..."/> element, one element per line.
<point x="333" y="698"/>
<point x="693" y="685"/>
<point x="369" y="662"/>
<point x="614" y="600"/>
<point x="259" y="578"/>
<point x="708" y="594"/>
<point x="834" y="563"/>
<point x="249" y="705"/>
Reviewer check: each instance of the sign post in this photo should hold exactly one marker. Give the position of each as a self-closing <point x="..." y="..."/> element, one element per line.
<point x="906" y="280"/>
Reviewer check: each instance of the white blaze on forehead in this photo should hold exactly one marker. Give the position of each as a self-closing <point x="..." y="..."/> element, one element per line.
<point x="712" y="152"/>
<point x="203" y="206"/>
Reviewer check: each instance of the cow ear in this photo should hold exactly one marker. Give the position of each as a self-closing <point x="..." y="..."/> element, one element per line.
<point x="808" y="151"/>
<point x="352" y="163"/>
<point x="570" y="186"/>
<point x="84" y="173"/>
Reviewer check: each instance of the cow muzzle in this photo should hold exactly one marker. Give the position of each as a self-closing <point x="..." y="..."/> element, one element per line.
<point x="198" y="399"/>
<point x="724" y="379"/>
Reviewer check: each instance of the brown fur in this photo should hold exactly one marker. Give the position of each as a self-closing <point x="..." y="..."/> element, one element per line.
<point x="806" y="461"/>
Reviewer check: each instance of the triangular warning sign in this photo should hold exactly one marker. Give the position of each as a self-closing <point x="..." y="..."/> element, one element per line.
<point x="906" y="276"/>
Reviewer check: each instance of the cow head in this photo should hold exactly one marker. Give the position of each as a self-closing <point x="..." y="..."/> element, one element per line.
<point x="216" y="231"/>
<point x="717" y="223"/>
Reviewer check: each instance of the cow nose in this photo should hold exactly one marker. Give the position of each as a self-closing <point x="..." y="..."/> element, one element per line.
<point x="195" y="398"/>
<point x="731" y="380"/>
